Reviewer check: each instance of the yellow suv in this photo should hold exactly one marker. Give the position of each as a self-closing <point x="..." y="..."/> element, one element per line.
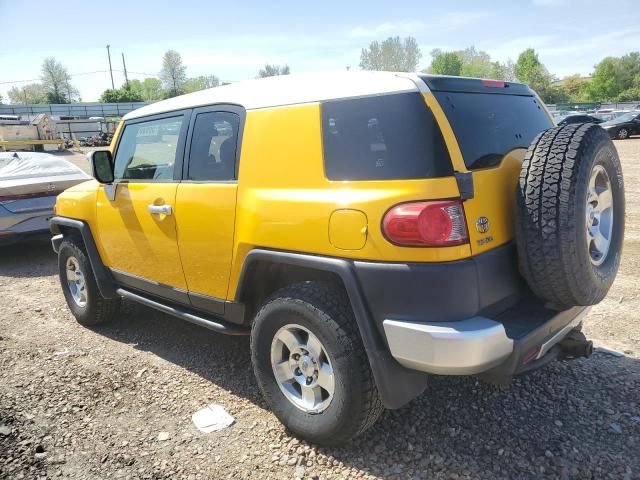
<point x="367" y="229"/>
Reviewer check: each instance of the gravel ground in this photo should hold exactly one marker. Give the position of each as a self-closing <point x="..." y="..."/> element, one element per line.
<point x="116" y="401"/>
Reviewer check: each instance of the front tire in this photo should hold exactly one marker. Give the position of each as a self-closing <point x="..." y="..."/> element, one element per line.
<point x="80" y="288"/>
<point x="311" y="366"/>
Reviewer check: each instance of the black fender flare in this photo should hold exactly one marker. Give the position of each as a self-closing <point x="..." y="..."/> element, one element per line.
<point x="396" y="384"/>
<point x="103" y="277"/>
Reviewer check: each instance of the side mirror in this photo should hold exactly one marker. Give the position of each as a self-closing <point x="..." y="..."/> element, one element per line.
<point x="101" y="165"/>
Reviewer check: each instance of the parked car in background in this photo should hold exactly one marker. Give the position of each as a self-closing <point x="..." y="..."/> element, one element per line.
<point x="579" y="118"/>
<point x="624" y="126"/>
<point x="29" y="185"/>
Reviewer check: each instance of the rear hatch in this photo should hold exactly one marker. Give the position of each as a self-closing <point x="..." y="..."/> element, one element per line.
<point x="31" y="181"/>
<point x="493" y="123"/>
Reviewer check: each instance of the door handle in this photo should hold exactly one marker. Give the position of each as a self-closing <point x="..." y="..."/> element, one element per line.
<point x="160" y="209"/>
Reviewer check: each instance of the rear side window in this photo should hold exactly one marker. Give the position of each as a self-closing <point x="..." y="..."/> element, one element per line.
<point x="489" y="125"/>
<point x="382" y="138"/>
<point x="213" y="147"/>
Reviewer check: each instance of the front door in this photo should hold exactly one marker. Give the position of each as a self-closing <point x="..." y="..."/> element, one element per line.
<point x="206" y="205"/>
<point x="136" y="215"/>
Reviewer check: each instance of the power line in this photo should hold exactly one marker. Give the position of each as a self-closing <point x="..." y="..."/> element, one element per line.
<point x="79" y="74"/>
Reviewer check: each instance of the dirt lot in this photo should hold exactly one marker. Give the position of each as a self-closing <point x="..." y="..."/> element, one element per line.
<point x="116" y="401"/>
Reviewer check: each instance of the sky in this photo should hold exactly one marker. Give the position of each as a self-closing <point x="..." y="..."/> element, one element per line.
<point x="234" y="39"/>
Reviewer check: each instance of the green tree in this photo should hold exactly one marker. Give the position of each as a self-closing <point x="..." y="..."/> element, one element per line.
<point x="273" y="70"/>
<point x="574" y="86"/>
<point x="201" y="83"/>
<point x="123" y="94"/>
<point x="393" y="54"/>
<point x="173" y="74"/>
<point x="31" y="93"/>
<point x="151" y="90"/>
<point x="57" y="82"/>
<point x="476" y="63"/>
<point x="528" y="69"/>
<point x="614" y="78"/>
<point x="446" y="63"/>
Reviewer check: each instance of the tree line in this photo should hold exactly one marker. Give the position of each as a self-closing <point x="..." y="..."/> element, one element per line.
<point x="614" y="78"/>
<point x="55" y="84"/>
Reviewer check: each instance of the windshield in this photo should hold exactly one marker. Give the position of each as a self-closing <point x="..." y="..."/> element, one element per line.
<point x="627" y="117"/>
<point x="489" y="125"/>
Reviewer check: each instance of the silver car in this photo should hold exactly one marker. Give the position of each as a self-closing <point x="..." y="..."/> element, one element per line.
<point x="29" y="184"/>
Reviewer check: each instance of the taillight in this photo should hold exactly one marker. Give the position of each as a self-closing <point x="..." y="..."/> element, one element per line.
<point x="493" y="83"/>
<point x="426" y="224"/>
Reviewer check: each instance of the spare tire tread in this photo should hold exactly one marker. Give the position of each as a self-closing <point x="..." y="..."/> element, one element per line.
<point x="549" y="232"/>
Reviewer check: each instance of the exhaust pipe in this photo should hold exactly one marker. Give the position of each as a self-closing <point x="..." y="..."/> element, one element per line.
<point x="575" y="345"/>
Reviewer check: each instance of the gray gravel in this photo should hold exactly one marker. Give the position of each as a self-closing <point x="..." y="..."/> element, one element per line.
<point x="116" y="401"/>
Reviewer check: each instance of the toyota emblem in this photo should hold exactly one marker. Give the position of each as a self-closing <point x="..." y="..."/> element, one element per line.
<point x="482" y="225"/>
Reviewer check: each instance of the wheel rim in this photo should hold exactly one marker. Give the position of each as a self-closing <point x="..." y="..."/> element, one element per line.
<point x="623" y="133"/>
<point x="302" y="368"/>
<point x="76" y="282"/>
<point x="599" y="215"/>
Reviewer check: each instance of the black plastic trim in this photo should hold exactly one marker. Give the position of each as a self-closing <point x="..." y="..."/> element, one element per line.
<point x="216" y="325"/>
<point x="206" y="303"/>
<point x="514" y="364"/>
<point x="465" y="185"/>
<point x="396" y="384"/>
<point x="153" y="288"/>
<point x="443" y="83"/>
<point x="103" y="277"/>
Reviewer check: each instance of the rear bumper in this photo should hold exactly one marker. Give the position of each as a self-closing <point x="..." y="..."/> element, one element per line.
<point x="478" y="344"/>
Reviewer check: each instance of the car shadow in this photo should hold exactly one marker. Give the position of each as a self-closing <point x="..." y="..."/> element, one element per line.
<point x="28" y="258"/>
<point x="558" y="417"/>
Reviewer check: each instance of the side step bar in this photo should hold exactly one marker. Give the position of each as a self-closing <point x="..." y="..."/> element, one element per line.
<point x="215" y="325"/>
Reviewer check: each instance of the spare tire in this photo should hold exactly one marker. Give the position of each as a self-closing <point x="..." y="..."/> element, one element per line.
<point x="570" y="216"/>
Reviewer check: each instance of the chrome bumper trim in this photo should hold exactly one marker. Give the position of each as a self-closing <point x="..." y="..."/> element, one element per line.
<point x="465" y="347"/>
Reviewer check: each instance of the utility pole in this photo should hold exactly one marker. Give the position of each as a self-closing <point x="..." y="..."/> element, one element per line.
<point x="113" y="86"/>
<point x="124" y="65"/>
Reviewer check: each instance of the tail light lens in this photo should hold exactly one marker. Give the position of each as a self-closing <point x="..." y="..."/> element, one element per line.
<point x="426" y="224"/>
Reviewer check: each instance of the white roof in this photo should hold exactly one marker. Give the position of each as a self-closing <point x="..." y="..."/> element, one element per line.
<point x="290" y="89"/>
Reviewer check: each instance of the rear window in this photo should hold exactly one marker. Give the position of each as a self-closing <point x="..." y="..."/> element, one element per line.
<point x="489" y="125"/>
<point x="382" y="138"/>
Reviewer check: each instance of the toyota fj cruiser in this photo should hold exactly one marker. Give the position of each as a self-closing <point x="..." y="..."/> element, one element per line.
<point x="367" y="229"/>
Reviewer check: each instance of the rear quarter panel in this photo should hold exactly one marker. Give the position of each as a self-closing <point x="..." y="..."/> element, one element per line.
<point x="285" y="200"/>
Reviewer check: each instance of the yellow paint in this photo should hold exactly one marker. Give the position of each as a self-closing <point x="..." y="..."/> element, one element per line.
<point x="348" y="229"/>
<point x="132" y="239"/>
<point x="282" y="201"/>
<point x="494" y="198"/>
<point x="205" y="218"/>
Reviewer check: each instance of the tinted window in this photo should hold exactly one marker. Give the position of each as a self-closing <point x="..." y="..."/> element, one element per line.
<point x="489" y="125"/>
<point x="213" y="146"/>
<point x="384" y="137"/>
<point x="147" y="150"/>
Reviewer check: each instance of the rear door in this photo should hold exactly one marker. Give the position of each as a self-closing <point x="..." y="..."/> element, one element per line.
<point x="493" y="124"/>
<point x="206" y="204"/>
<point x="136" y="215"/>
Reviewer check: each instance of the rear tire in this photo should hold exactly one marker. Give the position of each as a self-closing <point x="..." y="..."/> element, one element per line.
<point x="571" y="208"/>
<point x="80" y="288"/>
<point x="351" y="404"/>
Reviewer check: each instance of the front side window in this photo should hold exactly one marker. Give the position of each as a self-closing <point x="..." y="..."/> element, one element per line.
<point x="213" y="147"/>
<point x="147" y="150"/>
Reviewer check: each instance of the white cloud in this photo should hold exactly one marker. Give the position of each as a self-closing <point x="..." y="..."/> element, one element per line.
<point x="548" y="3"/>
<point x="445" y="22"/>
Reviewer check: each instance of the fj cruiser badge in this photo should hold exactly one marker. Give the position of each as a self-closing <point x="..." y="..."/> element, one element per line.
<point x="482" y="224"/>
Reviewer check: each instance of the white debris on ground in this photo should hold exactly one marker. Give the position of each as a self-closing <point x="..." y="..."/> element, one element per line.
<point x="212" y="418"/>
